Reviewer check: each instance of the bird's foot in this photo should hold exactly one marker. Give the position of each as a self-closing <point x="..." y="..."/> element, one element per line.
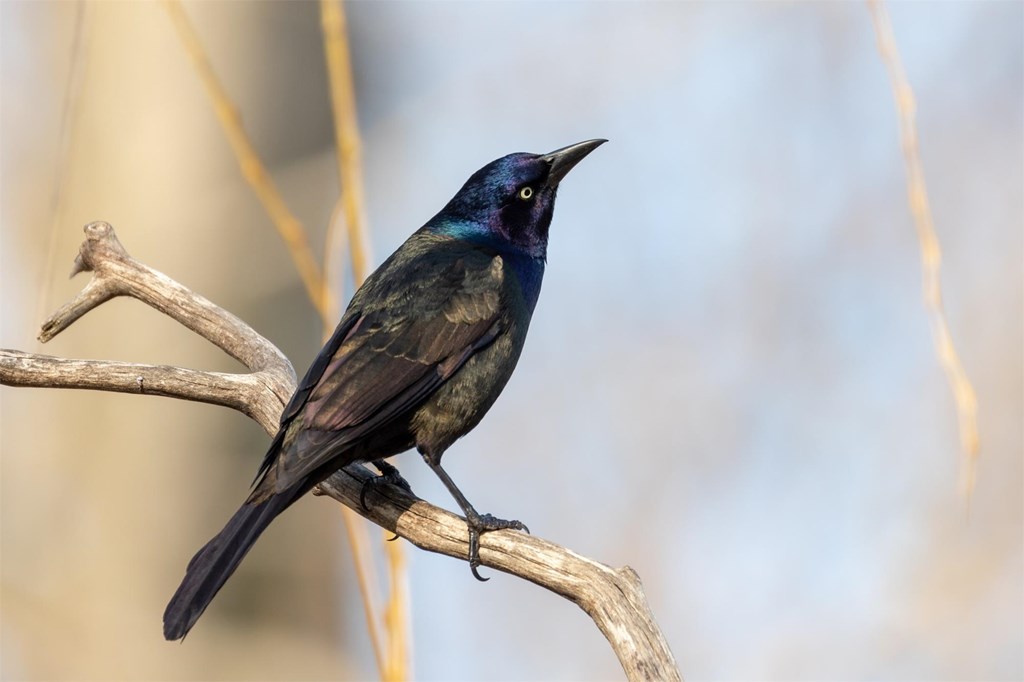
<point x="485" y="523"/>
<point x="388" y="474"/>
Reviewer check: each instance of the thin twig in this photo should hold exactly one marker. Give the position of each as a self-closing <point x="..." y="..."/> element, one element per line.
<point x="394" y="662"/>
<point x="396" y="615"/>
<point x="362" y="558"/>
<point x="362" y="555"/>
<point x="931" y="253"/>
<point x="291" y="230"/>
<point x="253" y="170"/>
<point x="335" y="250"/>
<point x="346" y="133"/>
<point x="66" y="142"/>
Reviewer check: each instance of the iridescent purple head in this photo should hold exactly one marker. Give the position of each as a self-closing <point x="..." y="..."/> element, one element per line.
<point x="508" y="203"/>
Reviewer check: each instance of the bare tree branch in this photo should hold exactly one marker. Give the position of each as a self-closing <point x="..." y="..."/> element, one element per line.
<point x="262" y="394"/>
<point x="247" y="393"/>
<point x="613" y="598"/>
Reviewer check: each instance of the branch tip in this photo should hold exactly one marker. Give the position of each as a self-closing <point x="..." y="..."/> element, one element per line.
<point x="98" y="229"/>
<point x="101" y="243"/>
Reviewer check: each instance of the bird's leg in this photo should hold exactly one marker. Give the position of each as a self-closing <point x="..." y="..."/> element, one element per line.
<point x="478" y="523"/>
<point x="388" y="474"/>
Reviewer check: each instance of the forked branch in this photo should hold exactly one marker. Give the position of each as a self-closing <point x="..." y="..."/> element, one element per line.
<point x="613" y="598"/>
<point x="261" y="394"/>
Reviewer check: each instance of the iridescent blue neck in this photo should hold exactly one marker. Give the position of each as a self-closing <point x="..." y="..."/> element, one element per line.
<point x="528" y="267"/>
<point x="530" y="272"/>
<point x="467" y="230"/>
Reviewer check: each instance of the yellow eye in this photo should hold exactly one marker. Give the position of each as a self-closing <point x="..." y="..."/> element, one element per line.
<point x="525" y="193"/>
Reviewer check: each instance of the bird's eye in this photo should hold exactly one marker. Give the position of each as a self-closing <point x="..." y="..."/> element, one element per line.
<point x="526" y="193"/>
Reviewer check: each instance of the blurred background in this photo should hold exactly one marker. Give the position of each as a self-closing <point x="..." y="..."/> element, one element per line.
<point x="730" y="383"/>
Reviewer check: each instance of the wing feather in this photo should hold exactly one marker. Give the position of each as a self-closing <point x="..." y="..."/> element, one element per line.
<point x="385" y="359"/>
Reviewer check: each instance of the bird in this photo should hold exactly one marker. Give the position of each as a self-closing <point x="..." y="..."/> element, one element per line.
<point x="422" y="352"/>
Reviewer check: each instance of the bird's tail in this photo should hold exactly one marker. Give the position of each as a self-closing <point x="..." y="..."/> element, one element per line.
<point x="217" y="560"/>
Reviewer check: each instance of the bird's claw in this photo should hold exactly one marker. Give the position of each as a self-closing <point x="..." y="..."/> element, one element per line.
<point x="388" y="474"/>
<point x="485" y="523"/>
<point x="472" y="569"/>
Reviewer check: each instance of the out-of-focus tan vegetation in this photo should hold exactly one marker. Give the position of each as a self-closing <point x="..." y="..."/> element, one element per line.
<point x="387" y="629"/>
<point x="729" y="383"/>
<point x="931" y="251"/>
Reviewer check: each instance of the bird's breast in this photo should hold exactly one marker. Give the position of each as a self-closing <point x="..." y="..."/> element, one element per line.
<point x="462" y="401"/>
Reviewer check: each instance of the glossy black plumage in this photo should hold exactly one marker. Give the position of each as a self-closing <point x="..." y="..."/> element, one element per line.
<point x="422" y="352"/>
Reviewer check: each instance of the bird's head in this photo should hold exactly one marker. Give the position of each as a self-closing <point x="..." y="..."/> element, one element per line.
<point x="508" y="203"/>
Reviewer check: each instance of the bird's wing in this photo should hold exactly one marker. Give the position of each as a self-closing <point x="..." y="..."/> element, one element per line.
<point x="390" y="352"/>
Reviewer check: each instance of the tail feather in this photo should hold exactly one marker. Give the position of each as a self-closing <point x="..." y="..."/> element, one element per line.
<point x="217" y="560"/>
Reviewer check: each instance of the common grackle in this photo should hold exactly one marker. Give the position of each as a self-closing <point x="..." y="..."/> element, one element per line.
<point x="422" y="352"/>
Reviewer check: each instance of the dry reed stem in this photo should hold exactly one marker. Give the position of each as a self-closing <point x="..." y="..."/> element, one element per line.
<point x="253" y="170"/>
<point x="396" y="616"/>
<point x="335" y="251"/>
<point x="393" y="662"/>
<point x="294" y="235"/>
<point x="362" y="557"/>
<point x="346" y="132"/>
<point x="931" y="254"/>
<point x="66" y="144"/>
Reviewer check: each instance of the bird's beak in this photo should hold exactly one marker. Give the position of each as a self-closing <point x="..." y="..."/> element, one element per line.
<point x="562" y="160"/>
